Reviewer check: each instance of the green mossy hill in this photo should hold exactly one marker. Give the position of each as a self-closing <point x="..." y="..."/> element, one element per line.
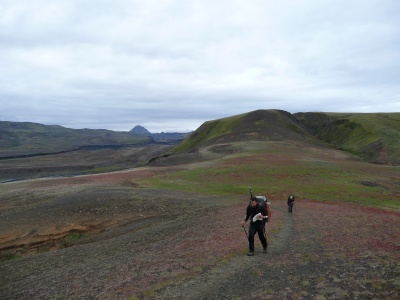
<point x="259" y="125"/>
<point x="375" y="137"/>
<point x="28" y="138"/>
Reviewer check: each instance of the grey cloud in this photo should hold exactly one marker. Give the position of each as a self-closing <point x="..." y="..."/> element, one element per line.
<point x="183" y="62"/>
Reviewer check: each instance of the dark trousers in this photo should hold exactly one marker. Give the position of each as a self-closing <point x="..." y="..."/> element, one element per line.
<point x="256" y="227"/>
<point x="290" y="207"/>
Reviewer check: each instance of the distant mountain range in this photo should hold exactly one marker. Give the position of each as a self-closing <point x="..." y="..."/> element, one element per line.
<point x="169" y="137"/>
<point x="374" y="137"/>
<point x="27" y="138"/>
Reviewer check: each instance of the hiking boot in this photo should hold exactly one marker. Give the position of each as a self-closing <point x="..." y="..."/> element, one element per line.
<point x="265" y="250"/>
<point x="251" y="253"/>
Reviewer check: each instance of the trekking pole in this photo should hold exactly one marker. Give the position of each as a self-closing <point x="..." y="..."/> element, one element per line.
<point x="264" y="231"/>
<point x="265" y="234"/>
<point x="245" y="232"/>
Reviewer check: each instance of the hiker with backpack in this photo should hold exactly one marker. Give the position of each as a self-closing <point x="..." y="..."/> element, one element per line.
<point x="257" y="214"/>
<point x="290" y="202"/>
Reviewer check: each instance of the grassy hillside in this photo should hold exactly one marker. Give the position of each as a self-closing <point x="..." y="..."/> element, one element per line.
<point x="373" y="136"/>
<point x="24" y="137"/>
<point x="280" y="168"/>
<point x="259" y="125"/>
<point x="208" y="132"/>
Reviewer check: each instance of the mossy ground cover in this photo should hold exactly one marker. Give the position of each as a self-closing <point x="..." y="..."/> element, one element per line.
<point x="366" y="129"/>
<point x="317" y="174"/>
<point x="208" y="131"/>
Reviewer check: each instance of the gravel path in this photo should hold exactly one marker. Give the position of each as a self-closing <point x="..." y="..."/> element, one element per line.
<point x="236" y="280"/>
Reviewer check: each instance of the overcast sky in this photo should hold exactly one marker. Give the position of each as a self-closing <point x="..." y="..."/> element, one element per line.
<point x="172" y="65"/>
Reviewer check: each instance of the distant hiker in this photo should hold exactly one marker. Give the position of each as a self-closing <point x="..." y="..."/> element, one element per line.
<point x="256" y="213"/>
<point x="290" y="203"/>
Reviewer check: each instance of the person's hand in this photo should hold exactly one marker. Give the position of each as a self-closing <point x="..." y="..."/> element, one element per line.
<point x="242" y="223"/>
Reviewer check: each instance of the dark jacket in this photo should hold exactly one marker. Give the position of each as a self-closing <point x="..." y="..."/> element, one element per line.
<point x="252" y="211"/>
<point x="290" y="200"/>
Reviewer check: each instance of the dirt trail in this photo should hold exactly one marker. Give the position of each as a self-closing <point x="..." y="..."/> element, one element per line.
<point x="237" y="279"/>
<point x="317" y="253"/>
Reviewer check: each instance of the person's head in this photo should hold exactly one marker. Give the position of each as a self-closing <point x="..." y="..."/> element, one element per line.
<point x="253" y="201"/>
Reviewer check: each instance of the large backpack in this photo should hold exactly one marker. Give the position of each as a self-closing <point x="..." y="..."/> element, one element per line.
<point x="262" y="200"/>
